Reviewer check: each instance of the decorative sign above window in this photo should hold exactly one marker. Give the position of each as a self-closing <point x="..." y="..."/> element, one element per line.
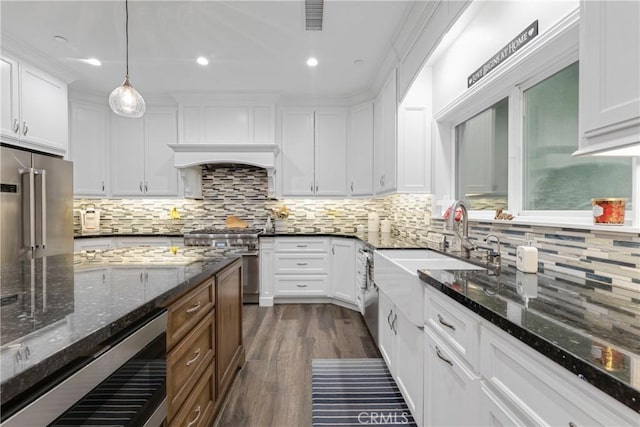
<point x="512" y="47"/>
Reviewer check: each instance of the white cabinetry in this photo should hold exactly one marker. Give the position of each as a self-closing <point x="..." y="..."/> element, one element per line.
<point x="141" y="161"/>
<point x="384" y="137"/>
<point x="343" y="283"/>
<point x="314" y="152"/>
<point x="539" y="391"/>
<point x="230" y="122"/>
<point x="447" y="383"/>
<point x="93" y="243"/>
<point x="88" y="148"/>
<point x="301" y="267"/>
<point x="609" y="70"/>
<point x="34" y="108"/>
<point x="400" y="344"/>
<point x="361" y="150"/>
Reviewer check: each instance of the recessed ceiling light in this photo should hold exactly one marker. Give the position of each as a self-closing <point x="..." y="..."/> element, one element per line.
<point x="93" y="61"/>
<point x="60" y="39"/>
<point x="202" y="60"/>
<point x="312" y="62"/>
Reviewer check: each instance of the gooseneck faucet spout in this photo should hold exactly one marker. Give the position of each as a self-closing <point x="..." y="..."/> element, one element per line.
<point x="467" y="245"/>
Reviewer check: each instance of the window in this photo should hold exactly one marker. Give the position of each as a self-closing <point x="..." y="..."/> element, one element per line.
<point x="482" y="157"/>
<point x="552" y="178"/>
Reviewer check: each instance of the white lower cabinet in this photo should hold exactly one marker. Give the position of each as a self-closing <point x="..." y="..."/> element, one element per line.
<point x="400" y="343"/>
<point x="448" y="383"/>
<point x="343" y="275"/>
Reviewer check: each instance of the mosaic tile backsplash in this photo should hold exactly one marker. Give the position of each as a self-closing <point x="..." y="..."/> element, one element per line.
<point x="610" y="261"/>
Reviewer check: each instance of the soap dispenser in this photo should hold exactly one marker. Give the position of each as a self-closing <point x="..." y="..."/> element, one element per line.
<point x="527" y="256"/>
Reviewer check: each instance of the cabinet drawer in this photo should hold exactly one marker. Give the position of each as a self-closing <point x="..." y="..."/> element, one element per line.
<point x="301" y="264"/>
<point x="186" y="362"/>
<point x="187" y="311"/>
<point x="301" y="245"/>
<point x="197" y="411"/>
<point x="455" y="324"/>
<point x="301" y="285"/>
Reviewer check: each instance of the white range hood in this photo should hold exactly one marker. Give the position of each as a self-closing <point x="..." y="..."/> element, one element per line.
<point x="188" y="157"/>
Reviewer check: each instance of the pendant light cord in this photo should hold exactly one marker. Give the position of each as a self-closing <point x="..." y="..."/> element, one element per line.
<point x="126" y="31"/>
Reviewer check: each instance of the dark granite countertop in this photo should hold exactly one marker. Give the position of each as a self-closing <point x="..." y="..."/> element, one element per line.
<point x="57" y="310"/>
<point x="592" y="333"/>
<point x="373" y="240"/>
<point x="89" y="236"/>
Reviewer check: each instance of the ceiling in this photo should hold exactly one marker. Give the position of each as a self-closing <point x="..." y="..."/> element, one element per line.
<point x="252" y="45"/>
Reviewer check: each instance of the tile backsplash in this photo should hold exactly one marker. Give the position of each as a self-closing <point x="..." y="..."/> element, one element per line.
<point x="609" y="260"/>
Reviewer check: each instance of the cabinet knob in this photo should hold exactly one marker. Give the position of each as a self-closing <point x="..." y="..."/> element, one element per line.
<point x="25" y="128"/>
<point x="146" y="187"/>
<point x="194" y="308"/>
<point x="140" y="186"/>
<point x="445" y="323"/>
<point x="195" y="420"/>
<point x="301" y="286"/>
<point x="316" y="188"/>
<point x="352" y="186"/>
<point x="194" y="358"/>
<point x="16" y="125"/>
<point x="311" y="187"/>
<point x="102" y="185"/>
<point x="572" y="424"/>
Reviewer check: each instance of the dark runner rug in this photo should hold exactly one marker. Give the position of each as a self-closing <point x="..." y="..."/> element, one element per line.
<point x="356" y="392"/>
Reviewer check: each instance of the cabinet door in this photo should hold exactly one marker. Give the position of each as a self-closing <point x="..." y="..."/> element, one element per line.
<point x="378" y="145"/>
<point x="89" y="137"/>
<point x="386" y="334"/>
<point x="390" y="113"/>
<point x="361" y="150"/>
<point x="409" y="364"/>
<point x="226" y="124"/>
<point x="9" y="114"/>
<point x="297" y="153"/>
<point x="161" y="176"/>
<point x="343" y="270"/>
<point x="331" y="152"/>
<point x="609" y="70"/>
<point x="447" y="383"/>
<point x="44" y="112"/>
<point x="414" y="150"/>
<point x="127" y="156"/>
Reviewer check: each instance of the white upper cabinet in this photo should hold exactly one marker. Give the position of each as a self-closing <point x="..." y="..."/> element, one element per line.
<point x="314" y="152"/>
<point x="89" y="148"/>
<point x="609" y="70"/>
<point x="141" y="161"/>
<point x="226" y="120"/>
<point x="384" y="137"/>
<point x="161" y="177"/>
<point x="34" y="108"/>
<point x="361" y="150"/>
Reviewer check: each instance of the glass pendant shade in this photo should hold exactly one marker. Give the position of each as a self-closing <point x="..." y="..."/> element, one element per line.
<point x="126" y="101"/>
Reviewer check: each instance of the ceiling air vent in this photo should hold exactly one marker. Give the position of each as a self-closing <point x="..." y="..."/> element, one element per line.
<point x="313" y="11"/>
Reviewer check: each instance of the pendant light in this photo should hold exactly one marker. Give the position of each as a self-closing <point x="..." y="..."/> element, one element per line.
<point x="125" y="100"/>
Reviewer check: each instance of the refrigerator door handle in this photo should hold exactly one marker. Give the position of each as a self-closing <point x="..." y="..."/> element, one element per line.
<point x="31" y="244"/>
<point x="43" y="194"/>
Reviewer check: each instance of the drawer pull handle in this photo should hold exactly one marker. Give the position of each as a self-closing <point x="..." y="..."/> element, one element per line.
<point x="196" y="357"/>
<point x="301" y="263"/>
<point x="389" y="319"/>
<point x="572" y="424"/>
<point x="194" y="308"/>
<point x="301" y="246"/>
<point x="195" y="420"/>
<point x="448" y="325"/>
<point x="442" y="357"/>
<point x="301" y="286"/>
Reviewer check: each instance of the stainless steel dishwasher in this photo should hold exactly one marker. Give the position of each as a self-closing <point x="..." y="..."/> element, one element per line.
<point x="370" y="294"/>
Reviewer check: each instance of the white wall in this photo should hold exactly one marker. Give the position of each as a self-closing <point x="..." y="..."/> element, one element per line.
<point x="494" y="24"/>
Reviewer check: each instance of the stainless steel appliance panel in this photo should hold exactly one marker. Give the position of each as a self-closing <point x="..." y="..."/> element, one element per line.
<point x="12" y="161"/>
<point x="37" y="205"/>
<point x="250" y="277"/>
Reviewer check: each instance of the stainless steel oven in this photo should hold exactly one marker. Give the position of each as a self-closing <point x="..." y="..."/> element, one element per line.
<point x="235" y="241"/>
<point x="125" y="380"/>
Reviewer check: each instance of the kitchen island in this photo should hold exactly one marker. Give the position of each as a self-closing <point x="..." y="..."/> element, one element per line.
<point x="58" y="311"/>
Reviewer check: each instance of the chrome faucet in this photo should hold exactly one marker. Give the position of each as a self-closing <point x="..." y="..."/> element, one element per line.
<point x="494" y="257"/>
<point x="467" y="245"/>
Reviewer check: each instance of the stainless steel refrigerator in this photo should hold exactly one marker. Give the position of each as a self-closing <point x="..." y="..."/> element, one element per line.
<point x="36" y="203"/>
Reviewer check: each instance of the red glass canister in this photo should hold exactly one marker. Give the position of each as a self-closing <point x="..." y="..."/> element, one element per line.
<point x="608" y="211"/>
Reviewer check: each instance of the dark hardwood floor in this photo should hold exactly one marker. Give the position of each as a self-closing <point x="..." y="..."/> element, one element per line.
<point x="274" y="386"/>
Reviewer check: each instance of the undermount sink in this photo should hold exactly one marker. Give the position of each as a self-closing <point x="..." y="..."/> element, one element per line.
<point x="424" y="259"/>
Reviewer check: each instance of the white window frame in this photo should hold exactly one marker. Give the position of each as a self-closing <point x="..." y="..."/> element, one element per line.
<point x="546" y="55"/>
